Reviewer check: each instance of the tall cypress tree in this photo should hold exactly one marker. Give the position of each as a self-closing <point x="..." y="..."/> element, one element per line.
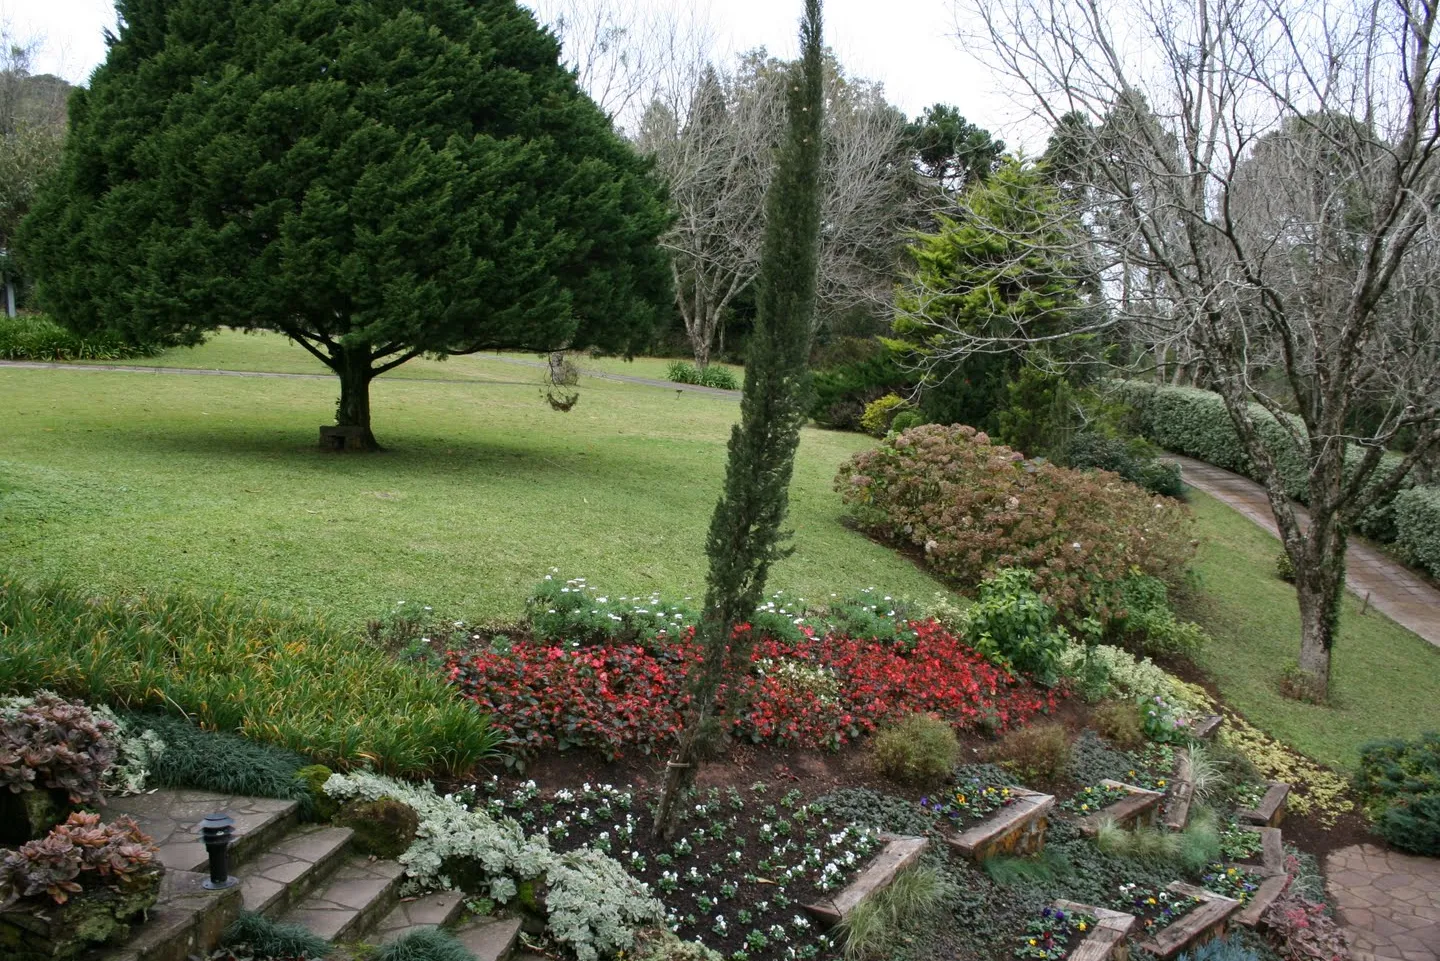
<point x="376" y="179"/>
<point x="746" y="532"/>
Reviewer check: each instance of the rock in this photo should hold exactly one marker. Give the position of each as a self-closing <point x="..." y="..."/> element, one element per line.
<point x="31" y="814"/>
<point x="384" y="828"/>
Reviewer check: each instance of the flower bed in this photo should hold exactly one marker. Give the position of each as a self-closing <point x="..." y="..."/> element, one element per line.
<point x="1154" y="910"/>
<point x="1113" y="801"/>
<point x="1106" y="941"/>
<point x="740" y="871"/>
<point x="810" y="692"/>
<point x="969" y="802"/>
<point x="987" y="820"/>
<point x="1203" y="922"/>
<point x="1089" y="800"/>
<point x="1054" y="934"/>
<point x="1231" y="881"/>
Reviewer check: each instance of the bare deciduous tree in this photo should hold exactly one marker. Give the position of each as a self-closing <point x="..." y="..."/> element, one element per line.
<point x="717" y="155"/>
<point x="1261" y="180"/>
<point x="32" y="129"/>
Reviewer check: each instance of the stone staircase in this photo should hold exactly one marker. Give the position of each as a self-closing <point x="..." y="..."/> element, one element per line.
<point x="305" y="874"/>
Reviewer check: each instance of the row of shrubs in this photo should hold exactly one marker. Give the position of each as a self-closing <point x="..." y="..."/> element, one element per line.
<point x="1195" y="423"/>
<point x="1401" y="782"/>
<point x="284" y="679"/>
<point x="37" y="337"/>
<point x="712" y="375"/>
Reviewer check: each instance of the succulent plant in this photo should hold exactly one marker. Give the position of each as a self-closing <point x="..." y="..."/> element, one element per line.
<point x="52" y="743"/>
<point x="55" y="865"/>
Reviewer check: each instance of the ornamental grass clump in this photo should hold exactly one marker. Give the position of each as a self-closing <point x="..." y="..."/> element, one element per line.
<point x="279" y="678"/>
<point x="974" y="508"/>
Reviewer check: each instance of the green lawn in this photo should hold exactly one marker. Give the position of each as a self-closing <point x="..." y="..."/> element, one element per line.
<point x="124" y="481"/>
<point x="233" y="350"/>
<point x="1385" y="680"/>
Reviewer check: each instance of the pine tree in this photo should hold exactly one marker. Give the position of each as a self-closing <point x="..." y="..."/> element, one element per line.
<point x="746" y="531"/>
<point x="373" y="178"/>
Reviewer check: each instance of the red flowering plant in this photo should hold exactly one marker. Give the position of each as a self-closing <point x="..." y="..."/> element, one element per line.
<point x="802" y="689"/>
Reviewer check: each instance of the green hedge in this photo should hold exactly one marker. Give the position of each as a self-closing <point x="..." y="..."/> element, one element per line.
<point x="37" y="337"/>
<point x="279" y="678"/>
<point x="1195" y="423"/>
<point x="1417" y="527"/>
<point x="1401" y="780"/>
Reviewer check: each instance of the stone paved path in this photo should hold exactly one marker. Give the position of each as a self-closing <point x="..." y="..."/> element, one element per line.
<point x="1394" y="589"/>
<point x="1389" y="902"/>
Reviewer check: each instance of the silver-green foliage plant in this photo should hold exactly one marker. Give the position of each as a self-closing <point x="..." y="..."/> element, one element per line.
<point x="592" y="905"/>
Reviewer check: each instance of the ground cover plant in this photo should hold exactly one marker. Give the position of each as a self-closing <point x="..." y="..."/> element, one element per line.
<point x="275" y="677"/>
<point x="37" y="337"/>
<point x="81" y="854"/>
<point x="1154" y="908"/>
<point x="1054" y="934"/>
<point x="971" y="509"/>
<point x="804" y="689"/>
<point x="1401" y="780"/>
<point x="221" y="483"/>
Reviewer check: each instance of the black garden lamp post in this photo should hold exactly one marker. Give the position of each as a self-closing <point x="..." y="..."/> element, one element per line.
<point x="218" y="832"/>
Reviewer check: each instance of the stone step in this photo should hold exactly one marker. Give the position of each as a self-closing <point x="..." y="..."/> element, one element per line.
<point x="358" y="894"/>
<point x="283" y="875"/>
<point x="172" y="818"/>
<point x="489" y="939"/>
<point x="436" y="910"/>
<point x="187" y="920"/>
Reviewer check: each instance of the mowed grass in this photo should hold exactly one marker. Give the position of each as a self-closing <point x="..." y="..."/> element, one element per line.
<point x="128" y="481"/>
<point x="262" y="351"/>
<point x="1385" y="681"/>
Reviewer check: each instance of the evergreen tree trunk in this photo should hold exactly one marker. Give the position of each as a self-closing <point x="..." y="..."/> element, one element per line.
<point x="352" y="364"/>
<point x="745" y="532"/>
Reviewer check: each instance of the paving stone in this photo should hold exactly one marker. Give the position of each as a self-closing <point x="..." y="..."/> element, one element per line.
<point x="360" y="892"/>
<point x="284" y="874"/>
<point x="1389" y="902"/>
<point x="489" y="939"/>
<point x="172" y="818"/>
<point x="1393" y="589"/>
<point x="429" y="911"/>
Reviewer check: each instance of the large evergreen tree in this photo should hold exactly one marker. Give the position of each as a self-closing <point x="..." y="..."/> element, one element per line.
<point x="747" y="529"/>
<point x="376" y="179"/>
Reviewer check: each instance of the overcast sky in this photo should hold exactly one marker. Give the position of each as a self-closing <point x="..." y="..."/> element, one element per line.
<point x="908" y="45"/>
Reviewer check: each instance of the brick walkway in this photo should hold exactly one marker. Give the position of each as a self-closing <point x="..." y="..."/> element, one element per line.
<point x="1394" y="589"/>
<point x="1389" y="902"/>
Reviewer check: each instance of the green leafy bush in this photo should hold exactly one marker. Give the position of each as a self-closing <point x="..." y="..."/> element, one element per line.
<point x="1417" y="527"/>
<point x="1036" y="753"/>
<point x="37" y="337"/>
<point x="1284" y="567"/>
<point x="841" y="393"/>
<point x="973" y="509"/>
<point x="268" y="939"/>
<point x="1144" y="619"/>
<point x="1132" y="459"/>
<point x="682" y="372"/>
<point x="1401" y="780"/>
<point x="880" y="412"/>
<point x="905" y="420"/>
<point x="424" y="944"/>
<point x="1010" y="623"/>
<point x="1195" y="423"/>
<point x="279" y="678"/>
<point x="720" y="378"/>
<point x="1221" y="949"/>
<point x="920" y="749"/>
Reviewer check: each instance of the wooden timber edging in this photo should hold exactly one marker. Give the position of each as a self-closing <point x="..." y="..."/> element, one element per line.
<point x="898" y="854"/>
<point x="1204" y="727"/>
<point x="1016" y="829"/>
<point x="1272" y="852"/>
<point x="1207" y="921"/>
<point x="1181" y="792"/>
<point x="1107" y="941"/>
<point x="1141" y="807"/>
<point x="1269" y="891"/>
<point x="1271" y="809"/>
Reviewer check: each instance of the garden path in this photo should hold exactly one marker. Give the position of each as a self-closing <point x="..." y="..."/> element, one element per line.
<point x="1389" y="902"/>
<point x="1393" y="588"/>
